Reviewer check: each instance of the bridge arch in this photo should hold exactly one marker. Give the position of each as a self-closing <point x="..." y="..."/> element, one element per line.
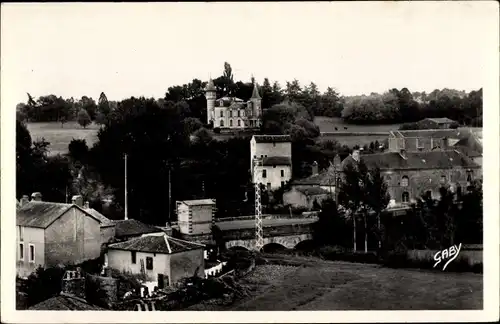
<point x="305" y="245"/>
<point x="288" y="242"/>
<point x="273" y="247"/>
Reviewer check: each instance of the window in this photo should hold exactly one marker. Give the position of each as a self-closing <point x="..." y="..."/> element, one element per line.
<point x="32" y="253"/>
<point x="21" y="251"/>
<point x="469" y="176"/>
<point x="428" y="193"/>
<point x="282" y="183"/>
<point x="459" y="192"/>
<point x="230" y="123"/>
<point x="230" y="113"/>
<point x="222" y="123"/>
<point x="222" y="113"/>
<point x="282" y="173"/>
<point x="239" y="122"/>
<point x="21" y="232"/>
<point x="405" y="197"/>
<point x="419" y="145"/>
<point x="274" y="144"/>
<point x="264" y="173"/>
<point x="134" y="257"/>
<point x="443" y="179"/>
<point x="404" y="181"/>
<point x="268" y="186"/>
<point x="339" y="181"/>
<point x="250" y="105"/>
<point x="239" y="113"/>
<point x="149" y="263"/>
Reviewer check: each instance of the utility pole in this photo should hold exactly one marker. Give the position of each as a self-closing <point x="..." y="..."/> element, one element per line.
<point x="126" y="191"/>
<point x="259" y="233"/>
<point x="169" y="196"/>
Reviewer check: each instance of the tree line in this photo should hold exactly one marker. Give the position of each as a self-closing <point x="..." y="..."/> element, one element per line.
<point x="393" y="106"/>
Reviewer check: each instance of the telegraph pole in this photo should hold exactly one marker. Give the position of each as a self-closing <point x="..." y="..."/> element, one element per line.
<point x="169" y="196"/>
<point x="126" y="191"/>
<point x="259" y="233"/>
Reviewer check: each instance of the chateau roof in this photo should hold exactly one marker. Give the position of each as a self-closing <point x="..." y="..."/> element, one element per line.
<point x="156" y="244"/>
<point x="41" y="214"/>
<point x="419" y="160"/>
<point x="210" y="85"/>
<point x="65" y="302"/>
<point x="272" y="138"/>
<point x="276" y="160"/>
<point x="255" y="92"/>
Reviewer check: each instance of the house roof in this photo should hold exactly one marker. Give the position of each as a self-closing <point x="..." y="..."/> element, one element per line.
<point x="440" y="120"/>
<point x="419" y="160"/>
<point x="272" y="138"/>
<point x="237" y="105"/>
<point x="156" y="244"/>
<point x="467" y="151"/>
<point x="105" y="222"/>
<point x="198" y="202"/>
<point x="65" y="302"/>
<point x="312" y="191"/>
<point x="133" y="227"/>
<point x="432" y="133"/>
<point x="41" y="214"/>
<point x="276" y="160"/>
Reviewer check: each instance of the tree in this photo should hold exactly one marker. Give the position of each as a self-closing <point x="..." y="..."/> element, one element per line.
<point x="78" y="150"/>
<point x="378" y="197"/>
<point x="83" y="118"/>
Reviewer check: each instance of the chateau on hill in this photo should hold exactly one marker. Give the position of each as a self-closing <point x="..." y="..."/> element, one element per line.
<point x="232" y="112"/>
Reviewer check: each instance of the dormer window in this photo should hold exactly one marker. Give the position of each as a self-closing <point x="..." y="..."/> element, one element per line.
<point x="404" y="181"/>
<point x="443" y="179"/>
<point x="420" y="145"/>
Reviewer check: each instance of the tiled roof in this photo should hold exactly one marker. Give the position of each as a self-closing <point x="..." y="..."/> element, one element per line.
<point x="320" y="179"/>
<point x="433" y="133"/>
<point x="156" y="244"/>
<point x="272" y="138"/>
<point x="105" y="222"/>
<point x="312" y="191"/>
<point x="198" y="202"/>
<point x="276" y="160"/>
<point x="441" y="120"/>
<point x="64" y="302"/>
<point x="419" y="160"/>
<point x="467" y="151"/>
<point x="132" y="227"/>
<point x="41" y="214"/>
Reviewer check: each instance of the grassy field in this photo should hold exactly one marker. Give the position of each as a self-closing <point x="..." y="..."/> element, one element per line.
<point x="325" y="285"/>
<point x="59" y="137"/>
<point x="328" y="124"/>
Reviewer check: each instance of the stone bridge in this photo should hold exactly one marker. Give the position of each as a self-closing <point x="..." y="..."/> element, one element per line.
<point x="285" y="231"/>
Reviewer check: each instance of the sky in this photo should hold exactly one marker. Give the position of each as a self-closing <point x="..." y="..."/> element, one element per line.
<point x="125" y="50"/>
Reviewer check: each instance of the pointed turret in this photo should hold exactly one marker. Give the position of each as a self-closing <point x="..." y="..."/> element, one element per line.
<point x="255" y="92"/>
<point x="210" y="85"/>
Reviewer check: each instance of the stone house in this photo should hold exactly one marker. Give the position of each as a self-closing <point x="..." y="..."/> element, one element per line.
<point x="435" y="123"/>
<point x="232" y="112"/>
<point x="304" y="197"/>
<point x="196" y="217"/>
<point x="271" y="160"/>
<point x="50" y="234"/>
<point x="158" y="257"/>
<point x="425" y="140"/>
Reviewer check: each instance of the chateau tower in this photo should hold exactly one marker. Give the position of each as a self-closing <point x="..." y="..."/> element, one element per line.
<point x="210" y="95"/>
<point x="256" y="101"/>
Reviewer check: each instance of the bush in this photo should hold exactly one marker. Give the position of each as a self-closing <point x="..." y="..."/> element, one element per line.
<point x="409" y="126"/>
<point x="217" y="130"/>
<point x="43" y="284"/>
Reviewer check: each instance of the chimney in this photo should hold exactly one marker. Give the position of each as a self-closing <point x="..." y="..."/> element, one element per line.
<point x="402" y="152"/>
<point x="73" y="283"/>
<point x="314" y="168"/>
<point x="24" y="200"/>
<point x="86" y="205"/>
<point x="77" y="200"/>
<point x="36" y="196"/>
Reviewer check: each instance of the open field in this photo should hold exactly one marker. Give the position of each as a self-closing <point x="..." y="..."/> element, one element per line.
<point x="59" y="137"/>
<point x="328" y="124"/>
<point x="326" y="285"/>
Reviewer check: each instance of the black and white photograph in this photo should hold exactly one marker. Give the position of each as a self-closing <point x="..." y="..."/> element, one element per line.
<point x="261" y="157"/>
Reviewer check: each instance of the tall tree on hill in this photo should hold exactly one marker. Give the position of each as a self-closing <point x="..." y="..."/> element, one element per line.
<point x="103" y="109"/>
<point x="89" y="105"/>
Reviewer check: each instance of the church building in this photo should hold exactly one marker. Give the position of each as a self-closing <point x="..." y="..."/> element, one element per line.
<point x="232" y="112"/>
